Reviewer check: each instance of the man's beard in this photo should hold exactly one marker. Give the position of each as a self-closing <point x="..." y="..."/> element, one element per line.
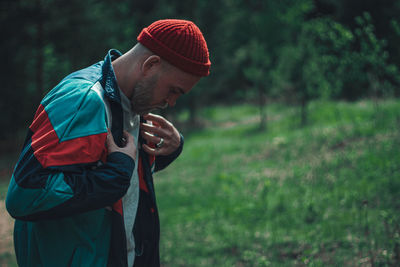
<point x="142" y="96"/>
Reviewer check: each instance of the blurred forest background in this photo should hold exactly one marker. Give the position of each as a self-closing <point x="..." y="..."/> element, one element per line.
<point x="303" y="96"/>
<point x="291" y="51"/>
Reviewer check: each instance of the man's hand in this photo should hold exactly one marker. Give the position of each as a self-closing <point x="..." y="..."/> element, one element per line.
<point x="129" y="147"/>
<point x="161" y="129"/>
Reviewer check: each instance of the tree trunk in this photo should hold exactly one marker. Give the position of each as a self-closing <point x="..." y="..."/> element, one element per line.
<point x="39" y="50"/>
<point x="303" y="111"/>
<point x="193" y="101"/>
<point x="193" y="110"/>
<point x="262" y="106"/>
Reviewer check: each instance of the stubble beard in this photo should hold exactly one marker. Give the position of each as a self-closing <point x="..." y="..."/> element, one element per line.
<point x="142" y="96"/>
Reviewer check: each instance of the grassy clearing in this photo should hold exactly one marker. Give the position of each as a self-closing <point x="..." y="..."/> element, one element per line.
<point x="7" y="256"/>
<point x="322" y="195"/>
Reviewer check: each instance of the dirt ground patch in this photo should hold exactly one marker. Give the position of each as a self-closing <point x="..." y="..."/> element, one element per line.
<point x="6" y="229"/>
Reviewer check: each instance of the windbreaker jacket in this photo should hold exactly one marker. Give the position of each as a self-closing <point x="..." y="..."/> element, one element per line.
<point x="65" y="192"/>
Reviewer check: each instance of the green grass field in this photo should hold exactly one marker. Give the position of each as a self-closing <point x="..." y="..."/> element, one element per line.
<point x="326" y="194"/>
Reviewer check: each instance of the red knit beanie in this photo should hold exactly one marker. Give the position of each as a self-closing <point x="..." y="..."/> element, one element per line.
<point x="180" y="42"/>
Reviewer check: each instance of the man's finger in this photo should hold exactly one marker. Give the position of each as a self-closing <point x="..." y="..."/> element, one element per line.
<point x="156" y="118"/>
<point x="153" y="129"/>
<point x="150" y="151"/>
<point x="128" y="137"/>
<point x="150" y="138"/>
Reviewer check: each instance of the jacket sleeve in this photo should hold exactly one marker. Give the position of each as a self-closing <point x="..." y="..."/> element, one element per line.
<point x="162" y="162"/>
<point x="57" y="192"/>
<point x="64" y="168"/>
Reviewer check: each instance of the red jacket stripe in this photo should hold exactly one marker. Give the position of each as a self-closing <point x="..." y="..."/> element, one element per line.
<point x="50" y="152"/>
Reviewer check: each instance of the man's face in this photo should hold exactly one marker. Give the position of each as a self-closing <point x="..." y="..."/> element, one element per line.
<point x="161" y="89"/>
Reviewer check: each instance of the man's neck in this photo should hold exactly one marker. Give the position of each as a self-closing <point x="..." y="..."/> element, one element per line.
<point x="125" y="73"/>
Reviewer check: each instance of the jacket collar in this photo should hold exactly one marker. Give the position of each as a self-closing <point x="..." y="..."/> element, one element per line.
<point x="108" y="80"/>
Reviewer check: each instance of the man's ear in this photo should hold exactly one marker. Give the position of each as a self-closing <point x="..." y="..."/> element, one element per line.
<point x="150" y="64"/>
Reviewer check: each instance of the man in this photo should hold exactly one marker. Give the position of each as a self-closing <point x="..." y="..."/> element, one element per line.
<point x="82" y="191"/>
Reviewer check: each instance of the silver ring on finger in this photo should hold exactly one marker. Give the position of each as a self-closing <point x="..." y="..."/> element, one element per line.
<point x="161" y="143"/>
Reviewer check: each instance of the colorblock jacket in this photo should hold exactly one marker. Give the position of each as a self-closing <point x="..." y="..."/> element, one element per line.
<point x="65" y="192"/>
